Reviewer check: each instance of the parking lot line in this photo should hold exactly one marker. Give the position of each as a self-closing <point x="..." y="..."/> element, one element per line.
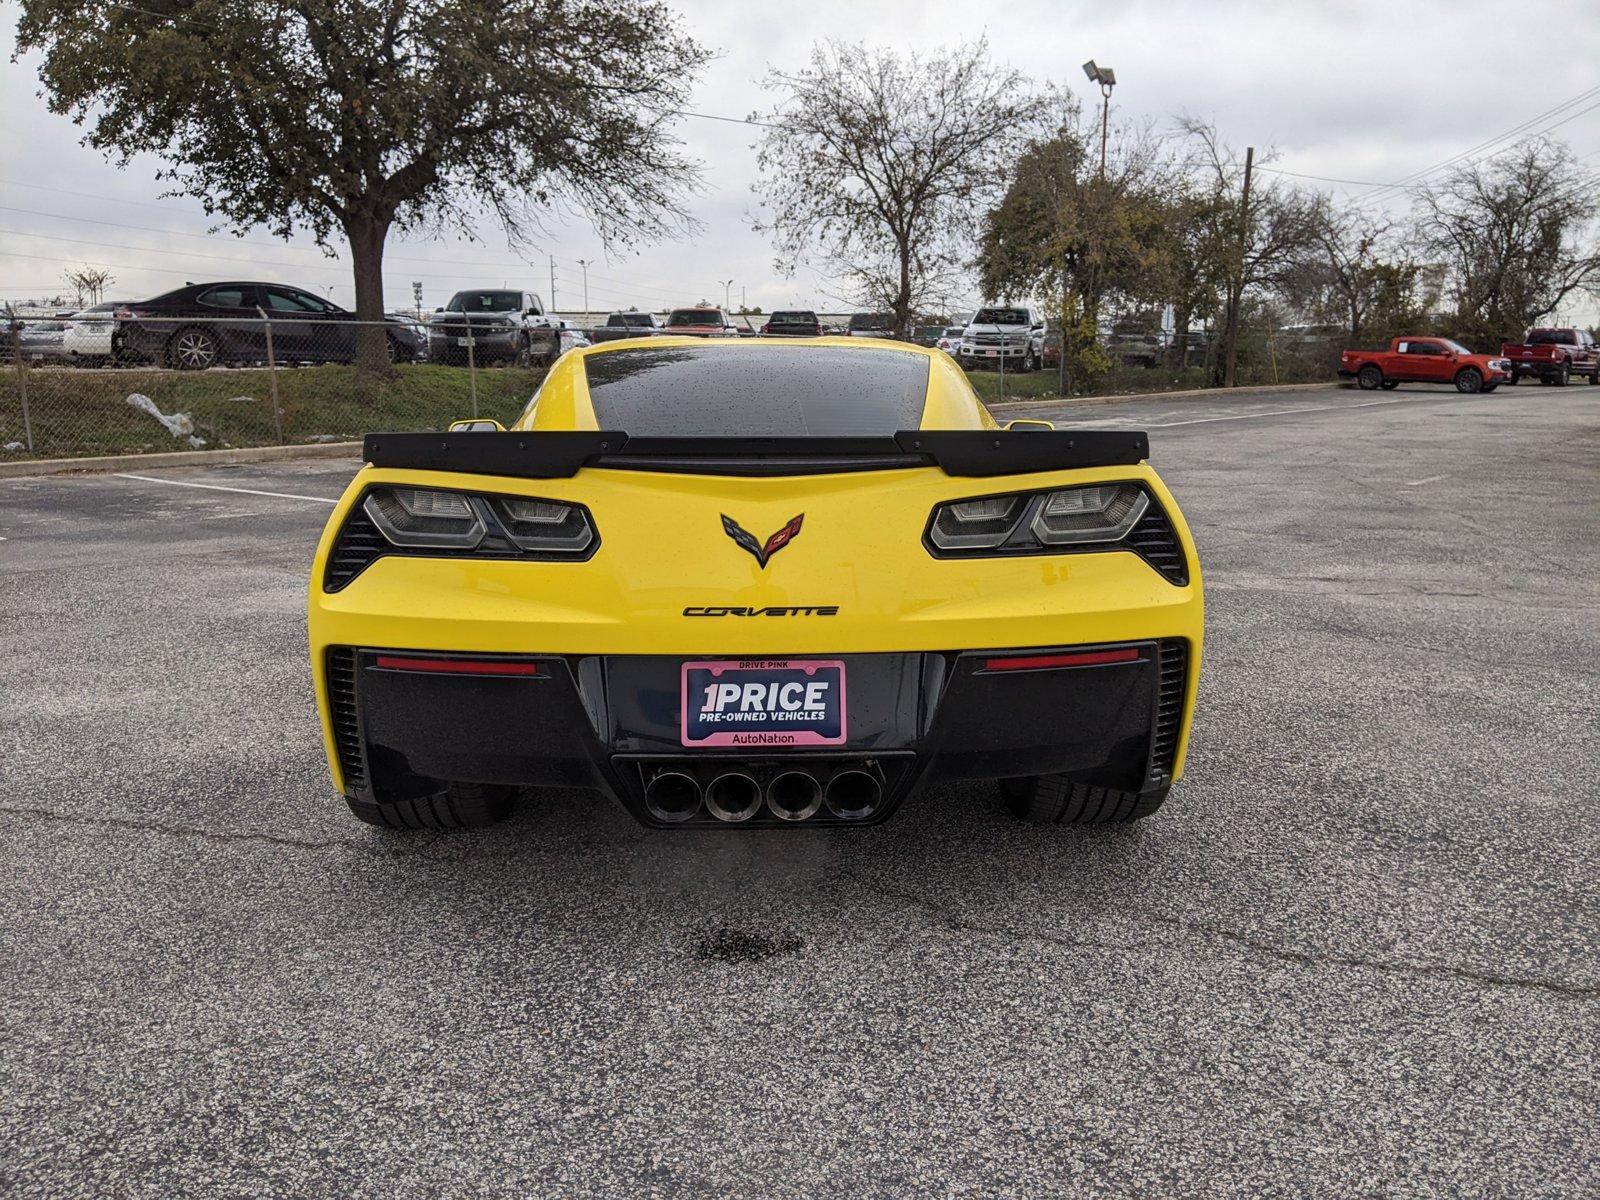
<point x="217" y="487"/>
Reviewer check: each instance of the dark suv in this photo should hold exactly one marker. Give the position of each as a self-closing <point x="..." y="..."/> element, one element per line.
<point x="873" y="325"/>
<point x="215" y="324"/>
<point x="792" y="323"/>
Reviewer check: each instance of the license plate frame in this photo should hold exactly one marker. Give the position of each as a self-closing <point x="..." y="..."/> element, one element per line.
<point x="761" y="723"/>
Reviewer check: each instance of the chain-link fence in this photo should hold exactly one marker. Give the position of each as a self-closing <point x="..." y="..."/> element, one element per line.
<point x="125" y="383"/>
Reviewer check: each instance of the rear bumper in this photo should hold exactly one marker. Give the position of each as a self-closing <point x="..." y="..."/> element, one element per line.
<point x="613" y="722"/>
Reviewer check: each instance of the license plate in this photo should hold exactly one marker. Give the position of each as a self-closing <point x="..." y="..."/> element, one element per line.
<point x="464" y="341"/>
<point x="990" y="353"/>
<point x="763" y="702"/>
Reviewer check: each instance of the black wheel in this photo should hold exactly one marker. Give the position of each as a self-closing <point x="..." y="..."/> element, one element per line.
<point x="1515" y="379"/>
<point x="1594" y="375"/>
<point x="397" y="352"/>
<point x="1057" y="800"/>
<point x="1370" y="377"/>
<point x="1559" y="379"/>
<point x="524" y="355"/>
<point x="193" y="349"/>
<point x="1469" y="380"/>
<point x="1389" y="385"/>
<point x="459" y="806"/>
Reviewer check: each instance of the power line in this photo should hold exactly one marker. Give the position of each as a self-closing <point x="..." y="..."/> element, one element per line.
<point x="1512" y="132"/>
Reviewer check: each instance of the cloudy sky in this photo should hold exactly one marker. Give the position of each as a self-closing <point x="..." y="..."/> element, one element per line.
<point x="1354" y="91"/>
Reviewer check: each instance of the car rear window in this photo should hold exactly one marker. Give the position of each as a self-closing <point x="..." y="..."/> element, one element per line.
<point x="695" y="316"/>
<point x="762" y="390"/>
<point x="1551" y="337"/>
<point x="795" y="318"/>
<point x="872" y="321"/>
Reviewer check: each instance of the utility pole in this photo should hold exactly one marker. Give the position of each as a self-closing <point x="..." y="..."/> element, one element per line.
<point x="727" y="295"/>
<point x="552" y="284"/>
<point x="1236" y="290"/>
<point x="585" y="265"/>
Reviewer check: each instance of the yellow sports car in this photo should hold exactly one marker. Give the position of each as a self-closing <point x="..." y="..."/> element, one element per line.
<point x="748" y="583"/>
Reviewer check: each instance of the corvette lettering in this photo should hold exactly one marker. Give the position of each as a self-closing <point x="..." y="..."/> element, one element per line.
<point x="788" y="610"/>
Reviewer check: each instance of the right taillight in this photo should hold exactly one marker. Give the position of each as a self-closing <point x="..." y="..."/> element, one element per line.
<point x="1036" y="522"/>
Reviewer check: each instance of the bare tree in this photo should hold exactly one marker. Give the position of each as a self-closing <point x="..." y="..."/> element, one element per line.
<point x="1359" y="273"/>
<point x="881" y="163"/>
<point x="88" y="284"/>
<point x="1278" y="231"/>
<point x="1516" y="233"/>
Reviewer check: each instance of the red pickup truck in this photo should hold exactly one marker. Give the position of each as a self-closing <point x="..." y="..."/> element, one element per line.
<point x="1424" y="360"/>
<point x="1553" y="355"/>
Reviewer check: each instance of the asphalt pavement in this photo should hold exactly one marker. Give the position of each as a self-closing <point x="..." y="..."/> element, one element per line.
<point x="1355" y="954"/>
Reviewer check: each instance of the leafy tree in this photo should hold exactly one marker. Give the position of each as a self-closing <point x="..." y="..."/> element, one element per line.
<point x="881" y="162"/>
<point x="1066" y="231"/>
<point x="1516" y="234"/>
<point x="364" y="117"/>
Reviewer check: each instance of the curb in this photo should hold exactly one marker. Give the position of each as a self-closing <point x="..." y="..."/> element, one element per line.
<point x="178" y="458"/>
<point x="1126" y="397"/>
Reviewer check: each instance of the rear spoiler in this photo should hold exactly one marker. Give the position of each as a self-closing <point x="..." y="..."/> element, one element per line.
<point x="560" y="455"/>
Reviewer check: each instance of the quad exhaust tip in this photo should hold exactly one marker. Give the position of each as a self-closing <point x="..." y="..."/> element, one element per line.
<point x="794" y="796"/>
<point x="853" y="795"/>
<point x="672" y="796"/>
<point x="734" y="796"/>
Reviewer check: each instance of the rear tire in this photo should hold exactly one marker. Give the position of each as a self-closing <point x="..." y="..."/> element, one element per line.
<point x="459" y="806"/>
<point x="1469" y="380"/>
<point x="1559" y="379"/>
<point x="1369" y="378"/>
<point x="1057" y="800"/>
<point x="193" y="349"/>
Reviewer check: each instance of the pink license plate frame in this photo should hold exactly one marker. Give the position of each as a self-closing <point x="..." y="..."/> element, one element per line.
<point x="761" y="739"/>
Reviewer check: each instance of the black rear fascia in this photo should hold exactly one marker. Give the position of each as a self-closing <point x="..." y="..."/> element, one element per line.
<point x="562" y="454"/>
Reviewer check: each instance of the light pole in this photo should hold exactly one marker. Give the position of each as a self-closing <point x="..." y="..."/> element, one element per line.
<point x="585" y="265"/>
<point x="727" y="294"/>
<point x="1107" y="79"/>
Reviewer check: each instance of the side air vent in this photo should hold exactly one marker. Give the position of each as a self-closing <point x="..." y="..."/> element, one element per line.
<point x="346" y="726"/>
<point x="1154" y="540"/>
<point x="1174" y="660"/>
<point x="358" y="543"/>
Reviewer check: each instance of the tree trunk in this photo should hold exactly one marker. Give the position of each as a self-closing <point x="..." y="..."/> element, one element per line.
<point x="367" y="236"/>
<point x="902" y="303"/>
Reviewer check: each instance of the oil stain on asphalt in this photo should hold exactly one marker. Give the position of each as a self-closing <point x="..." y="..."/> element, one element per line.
<point x="723" y="944"/>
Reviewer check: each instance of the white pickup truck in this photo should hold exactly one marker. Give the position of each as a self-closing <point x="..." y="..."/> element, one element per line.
<point x="1003" y="334"/>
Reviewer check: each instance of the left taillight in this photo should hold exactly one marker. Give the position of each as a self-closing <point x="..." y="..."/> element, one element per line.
<point x="443" y="523"/>
<point x="425" y="519"/>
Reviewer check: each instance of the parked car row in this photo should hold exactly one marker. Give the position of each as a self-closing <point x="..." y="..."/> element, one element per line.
<point x="1551" y="355"/>
<point x="995" y="336"/>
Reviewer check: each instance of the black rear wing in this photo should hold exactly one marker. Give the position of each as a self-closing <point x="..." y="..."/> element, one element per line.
<point x="560" y="455"/>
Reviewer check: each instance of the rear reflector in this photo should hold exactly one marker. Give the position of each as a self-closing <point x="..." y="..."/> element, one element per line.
<point x="1087" y="658"/>
<point x="458" y="666"/>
